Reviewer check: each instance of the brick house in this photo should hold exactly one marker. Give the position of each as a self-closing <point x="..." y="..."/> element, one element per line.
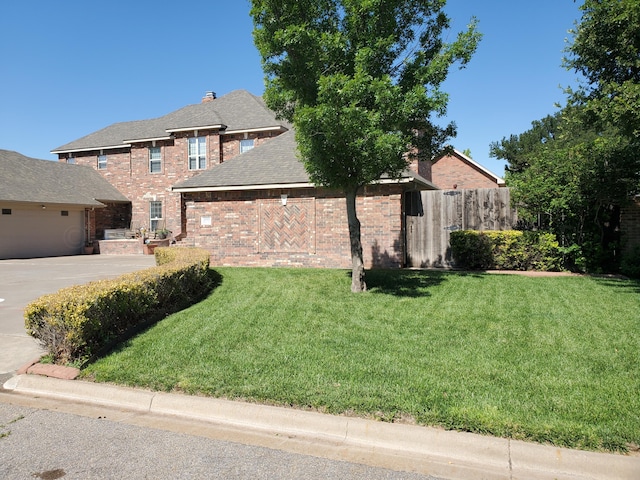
<point x="223" y="175"/>
<point x="216" y="174"/>
<point x="456" y="171"/>
<point x="48" y="208"/>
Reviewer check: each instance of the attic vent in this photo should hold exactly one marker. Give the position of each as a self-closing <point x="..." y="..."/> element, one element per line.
<point x="209" y="97"/>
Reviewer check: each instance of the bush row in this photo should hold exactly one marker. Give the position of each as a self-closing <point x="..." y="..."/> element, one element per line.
<point x="506" y="250"/>
<point x="77" y="322"/>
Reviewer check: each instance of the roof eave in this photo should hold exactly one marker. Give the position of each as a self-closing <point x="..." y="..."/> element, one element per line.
<point x="48" y="204"/>
<point x="279" y="128"/>
<point x="229" y="188"/>
<point x="87" y="149"/>
<point x="219" y="126"/>
<point x="422" y="183"/>
<point x="150" y="139"/>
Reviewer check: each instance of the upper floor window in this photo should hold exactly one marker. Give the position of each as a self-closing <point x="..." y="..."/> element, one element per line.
<point x="197" y="153"/>
<point x="102" y="162"/>
<point x="155" y="160"/>
<point x="71" y="160"/>
<point x="246" y="145"/>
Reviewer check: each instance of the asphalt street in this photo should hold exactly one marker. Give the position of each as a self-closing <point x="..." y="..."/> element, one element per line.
<point x="44" y="444"/>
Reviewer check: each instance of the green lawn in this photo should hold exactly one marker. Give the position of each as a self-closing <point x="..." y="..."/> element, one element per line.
<point x="546" y="359"/>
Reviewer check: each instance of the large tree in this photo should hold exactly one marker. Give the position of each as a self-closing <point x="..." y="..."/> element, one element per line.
<point x="360" y="80"/>
<point x="572" y="182"/>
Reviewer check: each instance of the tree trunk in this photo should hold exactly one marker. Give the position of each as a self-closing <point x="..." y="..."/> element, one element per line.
<point x="357" y="273"/>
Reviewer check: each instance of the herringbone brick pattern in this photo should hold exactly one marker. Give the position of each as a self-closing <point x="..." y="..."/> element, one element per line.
<point x="286" y="228"/>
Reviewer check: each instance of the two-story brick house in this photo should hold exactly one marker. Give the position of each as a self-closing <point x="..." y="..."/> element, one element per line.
<point x="224" y="175"/>
<point x="144" y="159"/>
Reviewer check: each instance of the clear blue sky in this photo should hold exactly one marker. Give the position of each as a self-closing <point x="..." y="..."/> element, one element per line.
<point x="72" y="67"/>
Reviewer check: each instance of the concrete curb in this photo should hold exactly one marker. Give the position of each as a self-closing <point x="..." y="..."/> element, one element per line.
<point x="453" y="455"/>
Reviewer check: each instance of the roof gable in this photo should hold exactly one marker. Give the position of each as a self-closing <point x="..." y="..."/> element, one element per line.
<point x="475" y="165"/>
<point x="30" y="180"/>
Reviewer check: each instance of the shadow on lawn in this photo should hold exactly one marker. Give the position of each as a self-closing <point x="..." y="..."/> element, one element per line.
<point x="407" y="283"/>
<point x="629" y="285"/>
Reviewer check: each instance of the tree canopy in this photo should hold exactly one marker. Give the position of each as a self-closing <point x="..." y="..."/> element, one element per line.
<point x="606" y="51"/>
<point x="360" y="80"/>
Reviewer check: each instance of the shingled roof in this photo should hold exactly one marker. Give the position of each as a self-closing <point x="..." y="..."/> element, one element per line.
<point x="274" y="164"/>
<point x="30" y="180"/>
<point x="237" y="111"/>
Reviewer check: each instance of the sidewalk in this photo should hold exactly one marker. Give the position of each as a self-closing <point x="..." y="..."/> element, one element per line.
<point x="446" y="454"/>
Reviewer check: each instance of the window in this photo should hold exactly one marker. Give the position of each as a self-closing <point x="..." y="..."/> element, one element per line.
<point x="102" y="162"/>
<point x="155" y="215"/>
<point x="155" y="160"/>
<point x="6" y="211"/>
<point x="197" y="153"/>
<point x="246" y="145"/>
<point x="71" y="160"/>
<point x="64" y="213"/>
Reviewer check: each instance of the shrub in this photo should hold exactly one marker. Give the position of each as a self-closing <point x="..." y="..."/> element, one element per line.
<point x="630" y="263"/>
<point x="471" y="250"/>
<point x="505" y="250"/>
<point x="75" y="323"/>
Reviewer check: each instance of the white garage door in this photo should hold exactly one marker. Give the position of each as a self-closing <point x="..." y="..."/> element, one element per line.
<point x="26" y="233"/>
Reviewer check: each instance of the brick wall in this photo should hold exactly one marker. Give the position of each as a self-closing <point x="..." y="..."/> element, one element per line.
<point x="255" y="229"/>
<point x="630" y="225"/>
<point x="128" y="171"/>
<point x="114" y="215"/>
<point x="450" y="170"/>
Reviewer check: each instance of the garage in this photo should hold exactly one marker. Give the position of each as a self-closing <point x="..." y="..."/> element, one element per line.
<point x="45" y="206"/>
<point x="36" y="232"/>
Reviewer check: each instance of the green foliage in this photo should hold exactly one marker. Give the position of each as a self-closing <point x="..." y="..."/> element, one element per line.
<point x="359" y="80"/>
<point x="506" y="250"/>
<point x="630" y="264"/>
<point x="471" y="250"/>
<point x="76" y="322"/>
<point x="517" y="148"/>
<point x="605" y="50"/>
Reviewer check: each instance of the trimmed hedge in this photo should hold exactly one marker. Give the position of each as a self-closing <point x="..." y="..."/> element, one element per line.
<point x="77" y="322"/>
<point x="505" y="250"/>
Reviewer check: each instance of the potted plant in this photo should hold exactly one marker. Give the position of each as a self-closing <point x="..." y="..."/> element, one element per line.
<point x="163" y="233"/>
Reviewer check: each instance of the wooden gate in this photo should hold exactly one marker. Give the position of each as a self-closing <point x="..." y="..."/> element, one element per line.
<point x="431" y="216"/>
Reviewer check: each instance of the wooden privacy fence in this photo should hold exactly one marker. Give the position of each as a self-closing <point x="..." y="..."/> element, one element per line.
<point x="432" y="215"/>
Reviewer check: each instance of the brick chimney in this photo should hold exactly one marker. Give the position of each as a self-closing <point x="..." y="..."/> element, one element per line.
<point x="209" y="97"/>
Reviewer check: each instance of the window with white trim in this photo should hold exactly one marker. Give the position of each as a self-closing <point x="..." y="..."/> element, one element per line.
<point x="102" y="162"/>
<point x="155" y="160"/>
<point x="155" y="215"/>
<point x="246" y="144"/>
<point x="71" y="160"/>
<point x="197" y="153"/>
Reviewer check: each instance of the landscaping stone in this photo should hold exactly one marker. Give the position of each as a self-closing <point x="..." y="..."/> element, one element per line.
<point x="55" y="371"/>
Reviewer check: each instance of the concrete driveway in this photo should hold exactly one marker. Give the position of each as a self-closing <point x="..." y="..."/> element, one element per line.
<point x="22" y="281"/>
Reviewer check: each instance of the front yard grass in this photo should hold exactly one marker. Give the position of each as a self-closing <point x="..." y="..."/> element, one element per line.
<point x="553" y="360"/>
